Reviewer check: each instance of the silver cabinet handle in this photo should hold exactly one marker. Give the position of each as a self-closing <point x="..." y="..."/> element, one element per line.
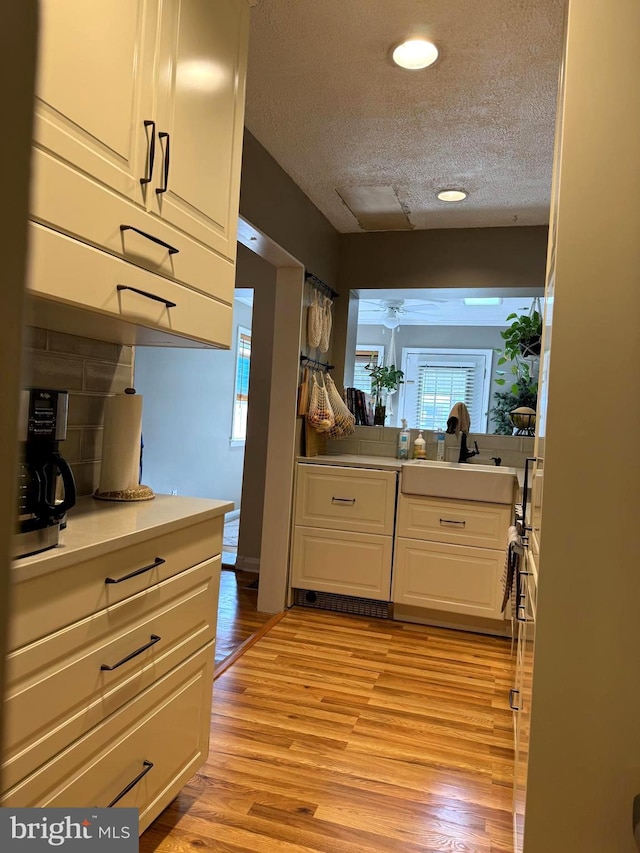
<point x="452" y="521"/>
<point x="512" y="694"/>
<point x="343" y="501"/>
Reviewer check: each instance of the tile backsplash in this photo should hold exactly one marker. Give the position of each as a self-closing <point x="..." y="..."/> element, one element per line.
<point x="383" y="441"/>
<point x="91" y="371"/>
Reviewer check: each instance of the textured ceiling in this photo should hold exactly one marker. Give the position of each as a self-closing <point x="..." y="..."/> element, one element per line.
<point x="327" y="103"/>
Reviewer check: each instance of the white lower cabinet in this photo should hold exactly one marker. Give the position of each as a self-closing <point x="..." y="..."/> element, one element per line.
<point x="357" y="564"/>
<point x="343" y="531"/>
<point x="110" y="669"/>
<point x="454" y="578"/>
<point x="450" y="555"/>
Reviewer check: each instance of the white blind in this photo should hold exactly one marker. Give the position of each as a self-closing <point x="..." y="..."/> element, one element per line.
<point x="439" y="387"/>
<point x="364" y="356"/>
<point x="241" y="393"/>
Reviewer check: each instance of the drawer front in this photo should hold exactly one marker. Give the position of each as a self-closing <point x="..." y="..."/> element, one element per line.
<point x="454" y="522"/>
<point x="167" y="725"/>
<point x="48" y="706"/>
<point x="82" y="589"/>
<point x="448" y="577"/>
<point x="356" y="564"/>
<point x="69" y="201"/>
<point x="346" y="499"/>
<point x="72" y="272"/>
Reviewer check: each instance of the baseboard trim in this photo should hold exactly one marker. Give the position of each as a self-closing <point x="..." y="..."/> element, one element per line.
<point x="248" y="564"/>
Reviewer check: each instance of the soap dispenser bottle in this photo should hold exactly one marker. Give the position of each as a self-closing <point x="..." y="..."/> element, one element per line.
<point x="420" y="447"/>
<point x="440" y="446"/>
<point x="403" y="441"/>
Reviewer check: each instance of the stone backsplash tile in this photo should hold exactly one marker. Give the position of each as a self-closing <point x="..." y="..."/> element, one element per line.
<point x="91" y="371"/>
<point x="55" y="371"/>
<point x="84" y="347"/>
<point x="380" y="448"/>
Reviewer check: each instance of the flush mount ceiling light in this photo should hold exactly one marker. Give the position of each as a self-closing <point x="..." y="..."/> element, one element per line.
<point x="415" y="54"/>
<point x="452" y="195"/>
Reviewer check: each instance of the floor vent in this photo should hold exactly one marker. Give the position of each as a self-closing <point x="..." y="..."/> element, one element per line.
<point x="342" y="603"/>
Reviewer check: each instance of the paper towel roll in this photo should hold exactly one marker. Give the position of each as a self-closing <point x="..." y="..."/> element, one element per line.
<point x="120" y="467"/>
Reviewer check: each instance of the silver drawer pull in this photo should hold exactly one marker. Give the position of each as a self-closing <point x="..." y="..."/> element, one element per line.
<point x="512" y="695"/>
<point x="451" y="521"/>
<point x="343" y="500"/>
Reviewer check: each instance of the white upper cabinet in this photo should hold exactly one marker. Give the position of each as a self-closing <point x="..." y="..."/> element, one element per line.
<point x="93" y="92"/>
<point x="138" y="135"/>
<point x="201" y="84"/>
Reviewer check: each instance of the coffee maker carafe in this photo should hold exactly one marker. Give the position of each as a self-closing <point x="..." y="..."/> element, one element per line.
<point x="46" y="488"/>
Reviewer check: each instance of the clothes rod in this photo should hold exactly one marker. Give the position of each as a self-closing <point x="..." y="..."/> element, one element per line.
<point x="320" y="285"/>
<point x="304" y="359"/>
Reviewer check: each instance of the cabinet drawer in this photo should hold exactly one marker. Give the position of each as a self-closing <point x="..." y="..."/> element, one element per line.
<point x="454" y="522"/>
<point x="448" y="577"/>
<point x="167" y="725"/>
<point x="356" y="564"/>
<point x="68" y="271"/>
<point x="82" y="589"/>
<point x="56" y="688"/>
<point x="69" y="201"/>
<point x="345" y="499"/>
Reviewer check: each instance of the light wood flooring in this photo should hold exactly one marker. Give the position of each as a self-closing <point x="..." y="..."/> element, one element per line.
<point x="349" y="735"/>
<point x="238" y="618"/>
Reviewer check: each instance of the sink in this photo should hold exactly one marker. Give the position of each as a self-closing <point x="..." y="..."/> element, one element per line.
<point x="468" y="482"/>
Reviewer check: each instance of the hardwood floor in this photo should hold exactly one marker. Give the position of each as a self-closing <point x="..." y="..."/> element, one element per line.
<point x="348" y="735"/>
<point x="238" y="618"/>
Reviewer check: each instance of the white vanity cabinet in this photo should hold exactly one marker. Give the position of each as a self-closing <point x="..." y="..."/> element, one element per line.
<point x="450" y="555"/>
<point x="343" y="531"/>
<point x="137" y="152"/>
<point x="110" y="669"/>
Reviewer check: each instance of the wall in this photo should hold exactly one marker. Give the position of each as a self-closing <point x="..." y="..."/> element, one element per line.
<point x="186" y="421"/>
<point x="91" y="371"/>
<point x="18" y="24"/>
<point x="252" y="271"/>
<point x="584" y="760"/>
<point x="272" y="202"/>
<point x="440" y="258"/>
<point x="449" y="337"/>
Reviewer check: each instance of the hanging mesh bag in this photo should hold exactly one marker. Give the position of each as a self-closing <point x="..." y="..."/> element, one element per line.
<point x="320" y="416"/>
<point x="345" y="422"/>
<point x="314" y="322"/>
<point x="327" y="321"/>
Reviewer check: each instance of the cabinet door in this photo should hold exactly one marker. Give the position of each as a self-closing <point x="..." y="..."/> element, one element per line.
<point x="201" y="86"/>
<point x="94" y="89"/>
<point x="357" y="564"/>
<point x="453" y="578"/>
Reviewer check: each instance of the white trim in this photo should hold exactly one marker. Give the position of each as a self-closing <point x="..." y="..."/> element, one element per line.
<point x="248" y="564"/>
<point x="231" y="516"/>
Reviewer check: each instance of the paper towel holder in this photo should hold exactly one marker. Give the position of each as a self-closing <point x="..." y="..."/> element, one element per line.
<point x="133" y="493"/>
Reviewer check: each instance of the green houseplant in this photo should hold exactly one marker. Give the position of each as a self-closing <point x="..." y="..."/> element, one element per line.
<point x="383" y="378"/>
<point x="521" y="348"/>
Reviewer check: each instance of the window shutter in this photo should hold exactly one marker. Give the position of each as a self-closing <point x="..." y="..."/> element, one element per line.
<point x="361" y="376"/>
<point x="439" y="387"/>
<point x="241" y="395"/>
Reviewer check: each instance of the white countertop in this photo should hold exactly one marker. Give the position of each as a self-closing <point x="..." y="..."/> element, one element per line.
<point x="352" y="460"/>
<point x="97" y="527"/>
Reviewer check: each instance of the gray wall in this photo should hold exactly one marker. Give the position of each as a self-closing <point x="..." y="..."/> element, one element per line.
<point x="452" y="337"/>
<point x="274" y="204"/>
<point x="186" y="421"/>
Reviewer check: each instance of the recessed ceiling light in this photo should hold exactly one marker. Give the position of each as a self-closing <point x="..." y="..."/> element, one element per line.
<point x="482" y="300"/>
<point x="452" y="195"/>
<point x="415" y="54"/>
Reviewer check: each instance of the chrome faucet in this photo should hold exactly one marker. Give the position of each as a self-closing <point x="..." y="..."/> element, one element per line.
<point x="465" y="453"/>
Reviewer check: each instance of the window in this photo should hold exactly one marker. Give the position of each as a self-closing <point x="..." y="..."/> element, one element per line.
<point x="435" y="379"/>
<point x="241" y="393"/>
<point x="365" y="355"/>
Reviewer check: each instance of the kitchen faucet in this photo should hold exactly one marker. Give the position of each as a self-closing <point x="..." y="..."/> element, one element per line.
<point x="465" y="453"/>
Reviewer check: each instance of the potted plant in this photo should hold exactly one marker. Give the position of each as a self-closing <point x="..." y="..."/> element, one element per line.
<point x="521" y="347"/>
<point x="386" y="378"/>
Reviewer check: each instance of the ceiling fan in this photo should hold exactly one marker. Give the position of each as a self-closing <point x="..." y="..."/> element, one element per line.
<point x="393" y="310"/>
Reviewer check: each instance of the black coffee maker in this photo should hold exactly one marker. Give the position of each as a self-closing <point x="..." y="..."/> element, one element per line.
<point x="46" y="488"/>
